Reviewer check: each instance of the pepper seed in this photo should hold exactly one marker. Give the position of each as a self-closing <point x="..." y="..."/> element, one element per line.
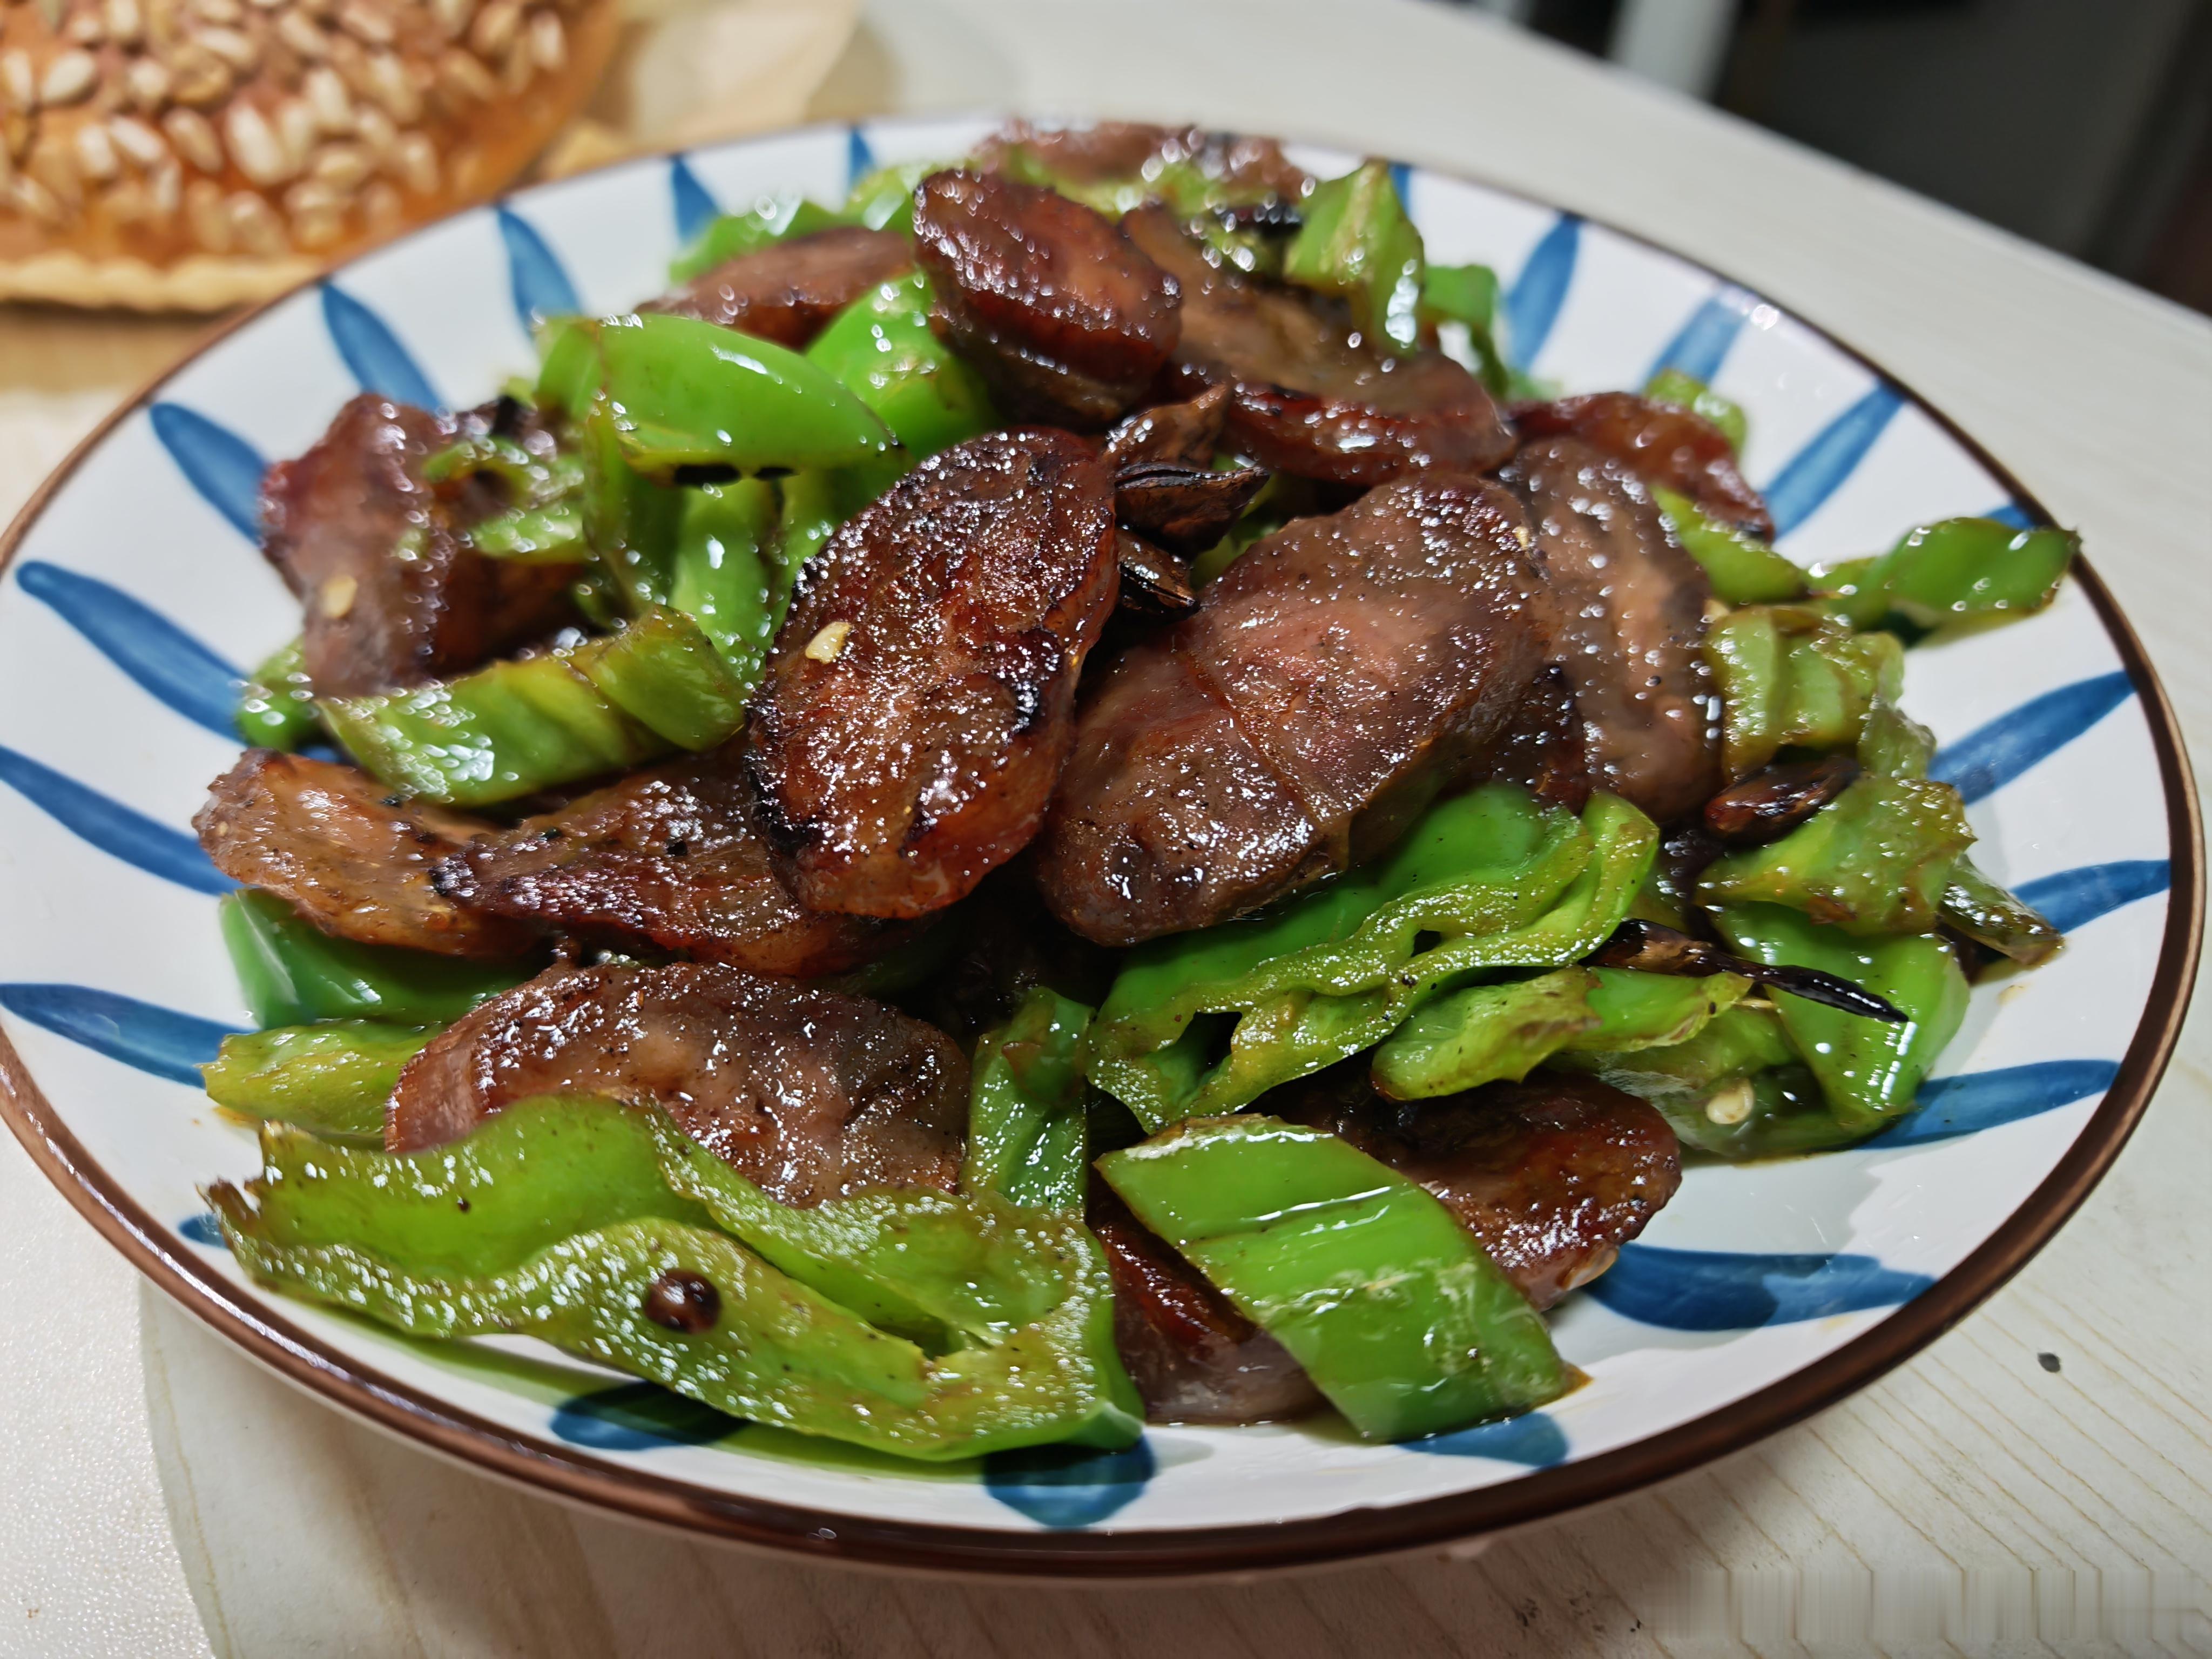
<point x="830" y="644"/>
<point x="679" y="1300"/>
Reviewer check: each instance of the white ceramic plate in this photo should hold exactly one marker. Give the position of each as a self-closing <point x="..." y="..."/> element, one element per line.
<point x="132" y="586"/>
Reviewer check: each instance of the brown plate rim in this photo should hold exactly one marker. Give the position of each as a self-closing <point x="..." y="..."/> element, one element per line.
<point x="575" y="1477"/>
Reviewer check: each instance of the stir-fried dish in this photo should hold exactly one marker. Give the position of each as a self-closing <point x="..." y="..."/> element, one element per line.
<point x="1049" y="800"/>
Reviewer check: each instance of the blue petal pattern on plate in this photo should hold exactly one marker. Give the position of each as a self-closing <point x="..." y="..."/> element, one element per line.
<point x="1701" y="344"/>
<point x="1724" y="1290"/>
<point x="1973" y="1100"/>
<point x="157" y="1040"/>
<point x="860" y="159"/>
<point x="111" y="826"/>
<point x="1991" y="757"/>
<point x="1063" y="1486"/>
<point x="222" y="467"/>
<point x="637" y="1416"/>
<point x="541" y="288"/>
<point x="1534" y="1439"/>
<point x="695" y="205"/>
<point x="2073" y="898"/>
<point x="1830" y="456"/>
<point x="165" y="660"/>
<point x="204" y="1230"/>
<point x="2011" y="513"/>
<point x="1533" y="302"/>
<point x="372" y="351"/>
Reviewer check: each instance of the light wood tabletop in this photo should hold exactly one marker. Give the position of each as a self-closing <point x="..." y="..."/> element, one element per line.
<point x="2039" y="1479"/>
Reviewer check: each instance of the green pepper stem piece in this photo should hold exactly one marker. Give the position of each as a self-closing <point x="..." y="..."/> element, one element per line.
<point x="1357" y="242"/>
<point x="1027" y="1129"/>
<point x="332" y="1079"/>
<point x="1743" y="570"/>
<point x="276" y="706"/>
<point x="293" y="973"/>
<point x="1396" y="1312"/>
<point x="1876" y="860"/>
<point x="1868" y="1069"/>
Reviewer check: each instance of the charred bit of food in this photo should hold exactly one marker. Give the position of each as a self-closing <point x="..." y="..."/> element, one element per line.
<point x="1768" y="805"/>
<point x="1154" y="581"/>
<point x="1184" y="509"/>
<point x="1649" y="948"/>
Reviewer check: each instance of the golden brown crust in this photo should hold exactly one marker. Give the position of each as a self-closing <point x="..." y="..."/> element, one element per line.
<point x="193" y="154"/>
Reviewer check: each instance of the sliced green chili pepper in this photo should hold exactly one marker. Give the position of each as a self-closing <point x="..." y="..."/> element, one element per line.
<point x="1671" y="386"/>
<point x="1389" y="1304"/>
<point x="1026" y="1124"/>
<point x="518" y="726"/>
<point x="883" y="199"/>
<point x="1989" y="915"/>
<point x="881" y="348"/>
<point x="277" y="707"/>
<point x="332" y="1079"/>
<point x="1467" y="295"/>
<point x="631" y="523"/>
<point x="533" y="535"/>
<point x="1876" y="860"/>
<point x="1892" y="744"/>
<point x="684" y="392"/>
<point x="728" y="575"/>
<point x="1744" y="569"/>
<point x="467" y="1240"/>
<point x="293" y="973"/>
<point x="732" y="235"/>
<point x="1357" y="242"/>
<point x="529" y="1176"/>
<point x="1790" y="676"/>
<point x="1637" y="1010"/>
<point x="1769" y="1113"/>
<point x="1500" y="881"/>
<point x="1679" y="1078"/>
<point x="1955" y="569"/>
<point x="1868" y="1069"/>
<point x="1485" y="1033"/>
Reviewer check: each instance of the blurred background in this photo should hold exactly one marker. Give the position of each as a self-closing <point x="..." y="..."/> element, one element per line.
<point x="2083" y="124"/>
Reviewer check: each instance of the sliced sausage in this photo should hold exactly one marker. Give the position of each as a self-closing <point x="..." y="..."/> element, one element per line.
<point x="343" y="851"/>
<point x="669" y="857"/>
<point x="1662" y="444"/>
<point x="1171" y="435"/>
<point x="919" y="701"/>
<point x="1628" y="617"/>
<point x="1306" y="395"/>
<point x="392" y="595"/>
<point x="812" y="1094"/>
<point x="1541" y="748"/>
<point x="1193" y="1356"/>
<point x="1330" y="681"/>
<point x="1118" y="151"/>
<point x="1552" y="1177"/>
<point x="1047" y="298"/>
<point x="788" y="291"/>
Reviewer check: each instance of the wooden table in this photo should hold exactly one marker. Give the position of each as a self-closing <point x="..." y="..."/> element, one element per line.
<point x="164" y="1496"/>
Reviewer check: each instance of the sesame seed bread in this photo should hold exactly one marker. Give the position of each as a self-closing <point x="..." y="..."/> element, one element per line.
<point x="190" y="154"/>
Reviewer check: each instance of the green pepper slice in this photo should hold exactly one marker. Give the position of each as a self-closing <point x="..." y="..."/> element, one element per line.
<point x="727" y="575"/>
<point x="1396" y="1312"/>
<point x="1791" y="676"/>
<point x="291" y="973"/>
<point x="1672" y="386"/>
<point x="1989" y="915"/>
<point x="883" y="199"/>
<point x="1467" y="295"/>
<point x="732" y="236"/>
<point x="1484" y="1034"/>
<point x="1357" y="242"/>
<point x="332" y="1079"/>
<point x="1869" y="1070"/>
<point x="882" y="349"/>
<point x="1876" y="860"/>
<point x="1679" y="1078"/>
<point x="1956" y="569"/>
<point x="1743" y="570"/>
<point x="1027" y="1129"/>
<point x="276" y="705"/>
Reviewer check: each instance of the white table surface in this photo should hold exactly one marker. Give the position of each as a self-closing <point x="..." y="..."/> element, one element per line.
<point x="159" y="1495"/>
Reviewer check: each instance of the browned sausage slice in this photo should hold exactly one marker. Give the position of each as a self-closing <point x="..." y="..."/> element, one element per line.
<point x="392" y="595"/>
<point x="1305" y="397"/>
<point x="329" y="841"/>
<point x="670" y="856"/>
<point x="812" y="1094"/>
<point x="1552" y="1175"/>
<point x="1172" y="434"/>
<point x="1628" y="619"/>
<point x="1331" y="679"/>
<point x="1048" y="298"/>
<point x="919" y="702"/>
<point x="1662" y="444"/>
<point x="788" y="292"/>
<point x="1117" y="151"/>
